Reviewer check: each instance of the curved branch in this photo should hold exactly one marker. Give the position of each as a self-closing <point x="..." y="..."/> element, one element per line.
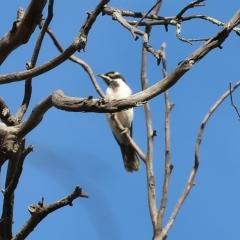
<point x="196" y="3"/>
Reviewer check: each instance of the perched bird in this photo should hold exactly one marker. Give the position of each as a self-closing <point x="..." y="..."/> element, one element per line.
<point x="118" y="89"/>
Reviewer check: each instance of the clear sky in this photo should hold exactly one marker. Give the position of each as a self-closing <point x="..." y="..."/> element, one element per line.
<point x="78" y="148"/>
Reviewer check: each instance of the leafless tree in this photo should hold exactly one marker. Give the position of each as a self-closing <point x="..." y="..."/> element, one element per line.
<point x="13" y="130"/>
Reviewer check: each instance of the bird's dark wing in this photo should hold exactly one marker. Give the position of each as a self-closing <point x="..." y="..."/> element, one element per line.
<point x="117" y="140"/>
<point x="130" y="158"/>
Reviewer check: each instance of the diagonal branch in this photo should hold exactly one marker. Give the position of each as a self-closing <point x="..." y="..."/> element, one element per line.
<point x="190" y="182"/>
<point x="158" y="3"/>
<point x="22" y="29"/>
<point x="116" y="15"/>
<point x="77" y="60"/>
<point x="40" y="211"/>
<point x="197" y="3"/>
<point x="28" y="82"/>
<point x="78" y="44"/>
<point x="235" y="107"/>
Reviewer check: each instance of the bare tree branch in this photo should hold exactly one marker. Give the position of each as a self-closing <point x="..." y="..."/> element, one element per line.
<point x="28" y="82"/>
<point x="235" y="107"/>
<point x="178" y="34"/>
<point x="5" y="114"/>
<point x="13" y="175"/>
<point x="40" y="211"/>
<point x="197" y="3"/>
<point x="150" y="132"/>
<point x="89" y="104"/>
<point x="116" y="15"/>
<point x="190" y="183"/>
<point x="78" y="44"/>
<point x="168" y="165"/>
<point x="19" y="167"/>
<point x="159" y="3"/>
<point x="77" y="60"/>
<point x="22" y="29"/>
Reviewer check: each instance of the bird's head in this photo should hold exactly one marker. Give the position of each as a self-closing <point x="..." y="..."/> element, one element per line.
<point x="111" y="77"/>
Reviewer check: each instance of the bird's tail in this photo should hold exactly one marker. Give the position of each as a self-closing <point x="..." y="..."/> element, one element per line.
<point x="130" y="158"/>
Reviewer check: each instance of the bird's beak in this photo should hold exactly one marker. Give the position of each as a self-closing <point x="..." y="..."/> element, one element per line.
<point x="105" y="78"/>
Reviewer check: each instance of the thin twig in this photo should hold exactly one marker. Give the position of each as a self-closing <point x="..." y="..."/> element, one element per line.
<point x="190" y="5"/>
<point x="158" y="2"/>
<point x="178" y="34"/>
<point x="77" y="60"/>
<point x="32" y="64"/>
<point x="230" y="89"/>
<point x="135" y="31"/>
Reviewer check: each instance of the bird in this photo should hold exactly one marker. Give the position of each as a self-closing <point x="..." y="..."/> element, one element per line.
<point x="118" y="89"/>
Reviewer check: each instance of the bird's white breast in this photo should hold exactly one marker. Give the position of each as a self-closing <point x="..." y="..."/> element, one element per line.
<point x="125" y="117"/>
<point x="121" y="91"/>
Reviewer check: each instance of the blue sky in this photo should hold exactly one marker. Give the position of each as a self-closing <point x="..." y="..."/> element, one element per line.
<point x="78" y="148"/>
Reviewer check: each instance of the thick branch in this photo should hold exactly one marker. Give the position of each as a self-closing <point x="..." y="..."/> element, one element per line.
<point x="12" y="178"/>
<point x="22" y="29"/>
<point x="40" y="211"/>
<point x="5" y="114"/>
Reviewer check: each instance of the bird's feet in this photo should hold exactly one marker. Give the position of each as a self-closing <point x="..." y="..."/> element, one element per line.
<point x="125" y="130"/>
